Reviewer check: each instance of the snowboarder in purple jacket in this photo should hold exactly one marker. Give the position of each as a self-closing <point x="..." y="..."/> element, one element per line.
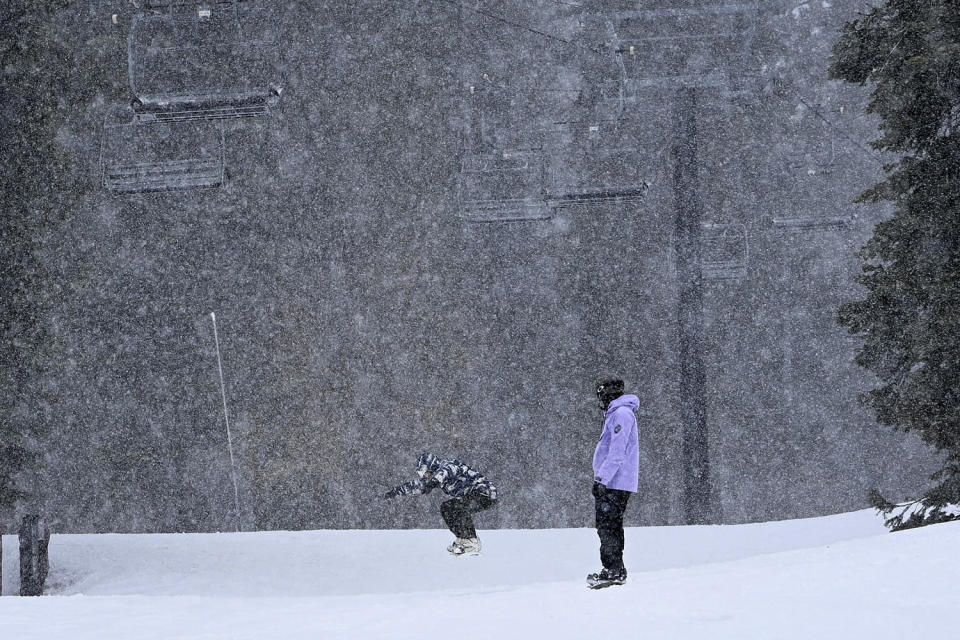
<point x="616" y="465"/>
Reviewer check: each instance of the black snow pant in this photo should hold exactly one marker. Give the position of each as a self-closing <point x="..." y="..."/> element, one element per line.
<point x="610" y="506"/>
<point x="458" y="513"/>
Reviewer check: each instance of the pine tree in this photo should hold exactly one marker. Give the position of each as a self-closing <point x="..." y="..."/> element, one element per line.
<point x="909" y="52"/>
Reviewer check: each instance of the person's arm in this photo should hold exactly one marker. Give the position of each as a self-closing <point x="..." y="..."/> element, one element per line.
<point x="413" y="487"/>
<point x="619" y="435"/>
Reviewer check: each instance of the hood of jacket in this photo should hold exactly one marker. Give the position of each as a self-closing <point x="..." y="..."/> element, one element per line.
<point x="427" y="463"/>
<point x="628" y="400"/>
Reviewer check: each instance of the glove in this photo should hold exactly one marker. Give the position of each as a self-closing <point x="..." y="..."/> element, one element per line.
<point x="393" y="493"/>
<point x="599" y="490"/>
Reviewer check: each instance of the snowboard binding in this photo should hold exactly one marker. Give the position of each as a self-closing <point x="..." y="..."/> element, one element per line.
<point x="606" y="579"/>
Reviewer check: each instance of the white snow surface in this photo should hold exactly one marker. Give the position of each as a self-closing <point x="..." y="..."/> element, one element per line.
<point x="839" y="576"/>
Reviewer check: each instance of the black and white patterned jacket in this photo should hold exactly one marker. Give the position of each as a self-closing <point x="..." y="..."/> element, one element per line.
<point x="453" y="477"/>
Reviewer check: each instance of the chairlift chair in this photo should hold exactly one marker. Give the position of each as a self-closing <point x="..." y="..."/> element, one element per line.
<point x="724" y="251"/>
<point x="811" y="222"/>
<point x="203" y="60"/>
<point x="678" y="47"/>
<point x="502" y="186"/>
<point x="190" y="64"/>
<point x="598" y="163"/>
<point x="811" y="191"/>
<point x="139" y="156"/>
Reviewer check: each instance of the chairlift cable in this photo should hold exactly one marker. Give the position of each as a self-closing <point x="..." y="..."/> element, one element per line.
<point x="872" y="154"/>
<point x="830" y="123"/>
<point x="519" y="25"/>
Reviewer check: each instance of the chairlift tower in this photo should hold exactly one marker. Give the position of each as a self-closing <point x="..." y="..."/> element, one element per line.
<point x="687" y="53"/>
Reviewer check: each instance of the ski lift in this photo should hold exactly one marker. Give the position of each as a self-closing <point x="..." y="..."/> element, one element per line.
<point x="811" y="222"/>
<point x="679" y="47"/>
<point x="190" y="64"/>
<point x="812" y="191"/>
<point x="724" y="251"/>
<point x="203" y="60"/>
<point x="138" y="156"/>
<point x="598" y="163"/>
<point x="810" y="188"/>
<point x="502" y="186"/>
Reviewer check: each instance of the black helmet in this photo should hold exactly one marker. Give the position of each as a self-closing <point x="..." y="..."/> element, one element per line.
<point x="609" y="390"/>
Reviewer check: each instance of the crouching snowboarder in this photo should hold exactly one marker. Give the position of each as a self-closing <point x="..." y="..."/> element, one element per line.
<point x="616" y="465"/>
<point x="470" y="493"/>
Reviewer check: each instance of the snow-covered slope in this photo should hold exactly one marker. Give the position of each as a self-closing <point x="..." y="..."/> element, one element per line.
<point x="834" y="577"/>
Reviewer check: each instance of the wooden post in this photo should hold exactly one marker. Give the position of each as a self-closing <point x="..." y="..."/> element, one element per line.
<point x="34" y="558"/>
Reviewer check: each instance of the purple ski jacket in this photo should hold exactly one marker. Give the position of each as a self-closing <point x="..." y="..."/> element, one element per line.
<point x="616" y="462"/>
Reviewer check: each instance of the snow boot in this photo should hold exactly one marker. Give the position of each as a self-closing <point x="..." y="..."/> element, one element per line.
<point x="466" y="547"/>
<point x="606" y="578"/>
<point x="456" y="547"/>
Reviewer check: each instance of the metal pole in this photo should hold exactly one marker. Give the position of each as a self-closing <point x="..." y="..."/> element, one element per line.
<point x="226" y="419"/>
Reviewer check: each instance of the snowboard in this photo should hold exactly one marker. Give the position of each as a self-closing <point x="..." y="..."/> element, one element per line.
<point x="594" y="581"/>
